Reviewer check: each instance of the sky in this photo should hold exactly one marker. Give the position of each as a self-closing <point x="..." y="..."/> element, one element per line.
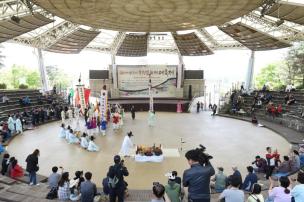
<point x="225" y="65"/>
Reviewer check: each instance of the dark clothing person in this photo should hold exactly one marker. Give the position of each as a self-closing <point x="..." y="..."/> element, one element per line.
<point x="32" y="167"/>
<point x="261" y="165"/>
<point x="4" y="164"/>
<point x="198" y="106"/>
<point x="214" y="108"/>
<point x="197" y="178"/>
<point x="250" y="180"/>
<point x="133" y="112"/>
<point x="88" y="191"/>
<point x="119" y="171"/>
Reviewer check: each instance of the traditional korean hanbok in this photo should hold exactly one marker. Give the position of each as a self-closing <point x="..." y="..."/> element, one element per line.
<point x="73" y="139"/>
<point x="116" y="121"/>
<point x="70" y="114"/>
<point x="18" y="125"/>
<point x="11" y="124"/>
<point x="62" y="116"/>
<point x="67" y="134"/>
<point x="151" y="119"/>
<point x="103" y="127"/>
<point x="62" y="133"/>
<point x="126" y="146"/>
<point x="92" y="146"/>
<point x="84" y="142"/>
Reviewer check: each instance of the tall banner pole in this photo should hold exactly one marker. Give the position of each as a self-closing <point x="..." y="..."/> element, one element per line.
<point x="82" y="101"/>
<point x="151" y="108"/>
<point x="103" y="104"/>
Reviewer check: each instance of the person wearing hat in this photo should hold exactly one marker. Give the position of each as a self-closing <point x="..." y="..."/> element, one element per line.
<point x="173" y="190"/>
<point x="117" y="185"/>
<point x="127" y="144"/>
<point x="220" y="180"/>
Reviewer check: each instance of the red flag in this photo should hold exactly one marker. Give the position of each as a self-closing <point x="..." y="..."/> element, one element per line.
<point x="87" y="93"/>
<point x="77" y="98"/>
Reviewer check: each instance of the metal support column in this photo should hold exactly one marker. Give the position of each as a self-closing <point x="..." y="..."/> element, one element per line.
<point x="180" y="71"/>
<point x="114" y="72"/>
<point x="42" y="71"/>
<point x="250" y="71"/>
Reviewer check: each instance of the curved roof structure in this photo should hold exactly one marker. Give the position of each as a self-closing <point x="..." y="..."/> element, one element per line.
<point x="135" y="28"/>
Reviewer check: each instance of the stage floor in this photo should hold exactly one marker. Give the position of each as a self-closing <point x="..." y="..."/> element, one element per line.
<point x="231" y="142"/>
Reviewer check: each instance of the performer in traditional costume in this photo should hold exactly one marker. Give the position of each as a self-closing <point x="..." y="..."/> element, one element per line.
<point x="103" y="126"/>
<point x="63" y="116"/>
<point x="133" y="112"/>
<point x="127" y="144"/>
<point x="70" y="115"/>
<point x="67" y="132"/>
<point x="108" y="114"/>
<point x="84" y="141"/>
<point x="92" y="146"/>
<point x="116" y="121"/>
<point x="72" y="138"/>
<point x="11" y="124"/>
<point x="62" y="133"/>
<point x="18" y="125"/>
<point x="151" y="118"/>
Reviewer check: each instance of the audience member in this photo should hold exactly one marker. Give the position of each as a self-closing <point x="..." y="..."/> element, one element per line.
<point x="233" y="193"/>
<point x="197" y="178"/>
<point x="9" y="167"/>
<point x="75" y="186"/>
<point x="64" y="187"/>
<point x="159" y="194"/>
<point x="116" y="179"/>
<point x="5" y="162"/>
<point x="220" y="180"/>
<point x="178" y="180"/>
<point x="260" y="164"/>
<point x="295" y="161"/>
<point x="281" y="193"/>
<point x="237" y="173"/>
<point x="270" y="159"/>
<point x="16" y="170"/>
<point x="255" y="195"/>
<point x="88" y="189"/>
<point x="54" y="178"/>
<point x="5" y="99"/>
<point x="298" y="191"/>
<point x="32" y="166"/>
<point x="250" y="179"/>
<point x="284" y="167"/>
<point x="173" y="190"/>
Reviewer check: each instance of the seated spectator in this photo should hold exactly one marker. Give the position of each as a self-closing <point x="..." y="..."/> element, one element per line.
<point x="291" y="100"/>
<point x="92" y="147"/>
<point x="178" y="180"/>
<point x="254" y="120"/>
<point x="54" y="178"/>
<point x="220" y="180"/>
<point x="284" y="167"/>
<point x="298" y="191"/>
<point x="26" y="100"/>
<point x="5" y="99"/>
<point x="237" y="173"/>
<point x="5" y="162"/>
<point x="105" y="185"/>
<point x="9" y="167"/>
<point x="16" y="170"/>
<point x="75" y="185"/>
<point x="264" y="88"/>
<point x="159" y="194"/>
<point x="295" y="161"/>
<point x="281" y="193"/>
<point x="255" y="195"/>
<point x="88" y="189"/>
<point x="250" y="179"/>
<point x="172" y="189"/>
<point x="64" y="187"/>
<point x="268" y="97"/>
<point x="72" y="138"/>
<point x="233" y="193"/>
<point x="39" y="100"/>
<point x="279" y="109"/>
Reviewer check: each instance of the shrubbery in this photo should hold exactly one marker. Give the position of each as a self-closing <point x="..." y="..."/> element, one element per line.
<point x="3" y="86"/>
<point x="23" y="86"/>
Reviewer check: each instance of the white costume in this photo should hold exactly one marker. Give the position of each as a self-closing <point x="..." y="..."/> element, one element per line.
<point x="70" y="113"/>
<point x="127" y="144"/>
<point x="92" y="146"/>
<point x="62" y="116"/>
<point x="73" y="139"/>
<point x="67" y="134"/>
<point x="18" y="125"/>
<point x="84" y="142"/>
<point x="11" y="124"/>
<point x="151" y="119"/>
<point x="62" y="133"/>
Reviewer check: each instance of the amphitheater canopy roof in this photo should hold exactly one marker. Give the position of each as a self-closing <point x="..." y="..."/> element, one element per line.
<point x="135" y="28"/>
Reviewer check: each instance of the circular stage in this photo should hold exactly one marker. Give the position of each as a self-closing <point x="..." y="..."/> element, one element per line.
<point x="231" y="142"/>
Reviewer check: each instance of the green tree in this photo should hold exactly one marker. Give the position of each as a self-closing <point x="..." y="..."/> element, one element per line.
<point x="33" y="79"/>
<point x="295" y="61"/>
<point x="272" y="75"/>
<point x="58" y="77"/>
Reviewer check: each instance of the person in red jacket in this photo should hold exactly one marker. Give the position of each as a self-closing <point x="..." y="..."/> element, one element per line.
<point x="279" y="109"/>
<point x="16" y="171"/>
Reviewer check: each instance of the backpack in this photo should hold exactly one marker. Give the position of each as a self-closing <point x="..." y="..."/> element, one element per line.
<point x="52" y="194"/>
<point x="112" y="182"/>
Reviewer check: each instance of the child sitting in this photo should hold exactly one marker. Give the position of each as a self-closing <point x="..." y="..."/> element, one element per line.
<point x="62" y="133"/>
<point x="92" y="146"/>
<point x="72" y="138"/>
<point x="84" y="141"/>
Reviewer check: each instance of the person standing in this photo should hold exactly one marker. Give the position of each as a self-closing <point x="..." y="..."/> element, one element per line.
<point x="18" y="125"/>
<point x="198" y="106"/>
<point x="32" y="166"/>
<point x="214" y="108"/>
<point x="197" y="177"/>
<point x="151" y="118"/>
<point x="88" y="189"/>
<point x="11" y="124"/>
<point x="127" y="144"/>
<point x="62" y="116"/>
<point x="133" y="112"/>
<point x="117" y="184"/>
<point x="270" y="162"/>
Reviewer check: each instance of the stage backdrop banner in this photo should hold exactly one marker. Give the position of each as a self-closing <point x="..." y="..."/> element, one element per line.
<point x="133" y="80"/>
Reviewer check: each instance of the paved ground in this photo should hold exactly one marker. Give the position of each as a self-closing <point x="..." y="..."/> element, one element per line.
<point x="231" y="142"/>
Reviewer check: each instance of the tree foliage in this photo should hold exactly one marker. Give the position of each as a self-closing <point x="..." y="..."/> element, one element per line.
<point x="295" y="62"/>
<point x="17" y="75"/>
<point x="272" y="76"/>
<point x="58" y="77"/>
